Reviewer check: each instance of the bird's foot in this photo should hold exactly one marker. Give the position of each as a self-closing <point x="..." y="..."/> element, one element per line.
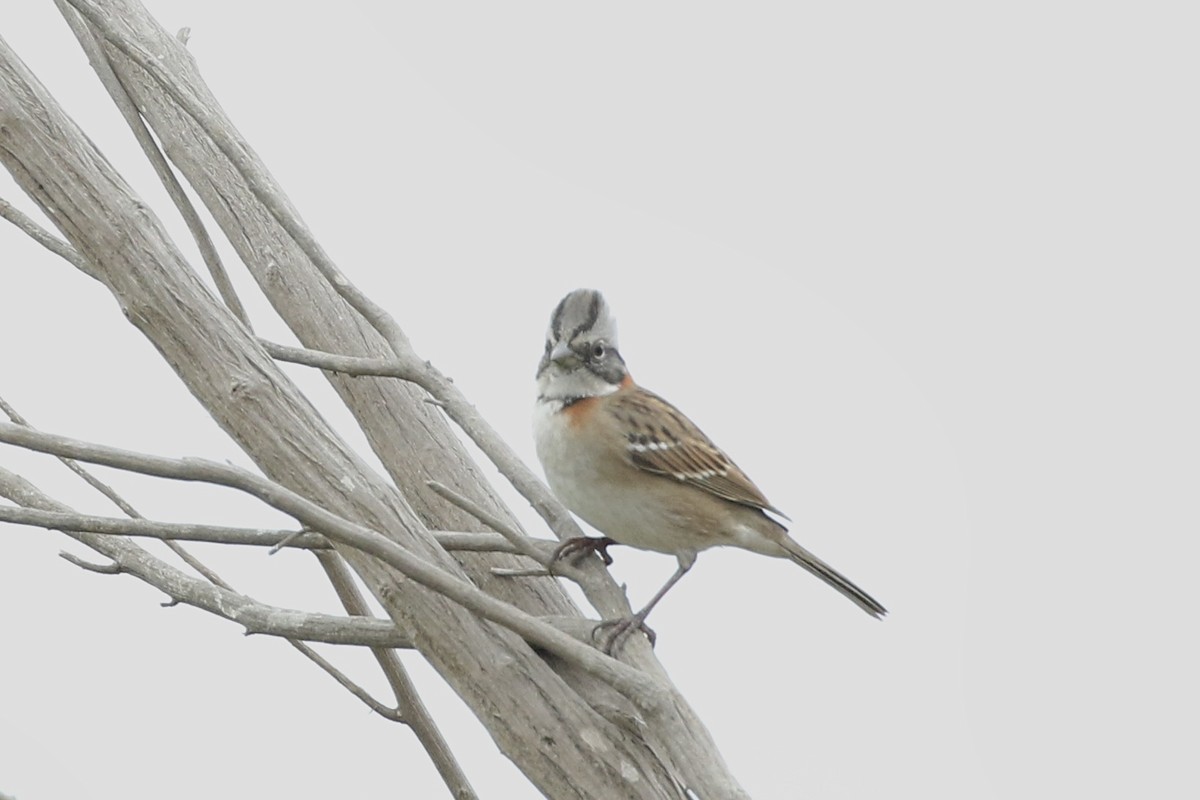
<point x="621" y="629"/>
<point x="572" y="549"/>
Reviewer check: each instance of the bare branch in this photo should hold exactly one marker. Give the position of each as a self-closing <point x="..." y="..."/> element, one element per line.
<point x="111" y="568"/>
<point x="117" y="500"/>
<point x="255" y="617"/>
<point x="348" y="365"/>
<point x="408" y="701"/>
<point x="258" y="180"/>
<point x="41" y="235"/>
<point x="57" y="167"/>
<point x="252" y="537"/>
<point x="120" y="96"/>
<point x="88" y="478"/>
<point x="512" y="533"/>
<point x="648" y="692"/>
<point x="250" y="616"/>
<point x="601" y="592"/>
<point x="262" y="186"/>
<point x="349" y="685"/>
<point x="457" y="407"/>
<point x="521" y="543"/>
<point x="470" y="542"/>
<point x="145" y="527"/>
<point x="287" y="541"/>
<point x="185" y="531"/>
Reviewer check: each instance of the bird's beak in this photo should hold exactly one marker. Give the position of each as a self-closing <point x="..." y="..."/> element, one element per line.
<point x="563" y="355"/>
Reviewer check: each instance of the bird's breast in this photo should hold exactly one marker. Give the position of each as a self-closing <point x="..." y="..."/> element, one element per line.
<point x="588" y="469"/>
<point x="568" y="450"/>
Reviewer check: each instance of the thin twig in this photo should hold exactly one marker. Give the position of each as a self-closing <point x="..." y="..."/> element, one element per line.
<point x="189" y="559"/>
<point x="112" y="495"/>
<point x="42" y="236"/>
<point x="513" y="534"/>
<point x="647" y="692"/>
<point x="289" y="540"/>
<point x="540" y="551"/>
<point x="141" y="527"/>
<point x="452" y="541"/>
<point x="532" y="572"/>
<point x="481" y="542"/>
<point x="343" y="586"/>
<point x="409" y="706"/>
<point x="352" y="687"/>
<point x="253" y="616"/>
<point x="348" y="365"/>
<point x="111" y="568"/>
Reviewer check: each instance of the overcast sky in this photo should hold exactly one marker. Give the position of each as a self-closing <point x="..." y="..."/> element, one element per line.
<point x="927" y="271"/>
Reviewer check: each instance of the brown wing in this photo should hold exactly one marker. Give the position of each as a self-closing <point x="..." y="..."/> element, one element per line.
<point x="661" y="440"/>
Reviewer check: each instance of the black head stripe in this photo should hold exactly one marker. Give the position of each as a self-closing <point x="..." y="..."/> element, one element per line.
<point x="593" y="313"/>
<point x="556" y="320"/>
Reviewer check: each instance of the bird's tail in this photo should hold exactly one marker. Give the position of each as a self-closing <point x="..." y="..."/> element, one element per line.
<point x="834" y="578"/>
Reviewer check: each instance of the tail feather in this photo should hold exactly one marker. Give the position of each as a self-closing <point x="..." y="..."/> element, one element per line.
<point x="834" y="578"/>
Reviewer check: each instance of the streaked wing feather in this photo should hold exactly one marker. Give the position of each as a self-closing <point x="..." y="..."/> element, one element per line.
<point x="661" y="440"/>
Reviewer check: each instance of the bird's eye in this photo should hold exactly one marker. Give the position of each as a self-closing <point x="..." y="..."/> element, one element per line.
<point x="599" y="351"/>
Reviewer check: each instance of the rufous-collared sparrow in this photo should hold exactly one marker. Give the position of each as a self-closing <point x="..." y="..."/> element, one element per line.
<point x="635" y="468"/>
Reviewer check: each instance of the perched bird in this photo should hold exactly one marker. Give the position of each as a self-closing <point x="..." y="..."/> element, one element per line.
<point x="635" y="468"/>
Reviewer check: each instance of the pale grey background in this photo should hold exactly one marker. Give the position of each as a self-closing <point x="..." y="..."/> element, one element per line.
<point x="926" y="270"/>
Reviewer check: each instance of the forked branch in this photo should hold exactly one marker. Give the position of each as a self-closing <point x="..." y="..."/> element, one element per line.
<point x="253" y="616"/>
<point x="647" y="692"/>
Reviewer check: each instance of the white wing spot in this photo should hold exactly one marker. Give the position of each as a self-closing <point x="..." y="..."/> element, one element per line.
<point x="698" y="475"/>
<point x="644" y="447"/>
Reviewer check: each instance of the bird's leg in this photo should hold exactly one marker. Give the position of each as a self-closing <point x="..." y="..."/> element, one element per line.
<point x="622" y="628"/>
<point x="571" y="549"/>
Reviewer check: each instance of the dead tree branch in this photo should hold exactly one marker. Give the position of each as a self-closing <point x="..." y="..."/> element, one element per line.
<point x="219" y="534"/>
<point x="409" y="706"/>
<point x="39" y="234"/>
<point x="540" y="696"/>
<point x="253" y="616"/>
<point x="115" y="567"/>
<point x="646" y="692"/>
<point x="124" y="104"/>
<point x="153" y="529"/>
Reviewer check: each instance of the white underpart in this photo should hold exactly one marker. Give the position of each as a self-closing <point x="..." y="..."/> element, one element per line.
<point x="627" y="515"/>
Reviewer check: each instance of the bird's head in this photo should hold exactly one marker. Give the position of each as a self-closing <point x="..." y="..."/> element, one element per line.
<point x="581" y="357"/>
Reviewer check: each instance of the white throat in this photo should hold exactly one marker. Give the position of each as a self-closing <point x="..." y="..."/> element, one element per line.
<point x="559" y="386"/>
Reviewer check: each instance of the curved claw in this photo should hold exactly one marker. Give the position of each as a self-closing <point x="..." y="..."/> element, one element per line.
<point x="572" y="549"/>
<point x="622" y="629"/>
